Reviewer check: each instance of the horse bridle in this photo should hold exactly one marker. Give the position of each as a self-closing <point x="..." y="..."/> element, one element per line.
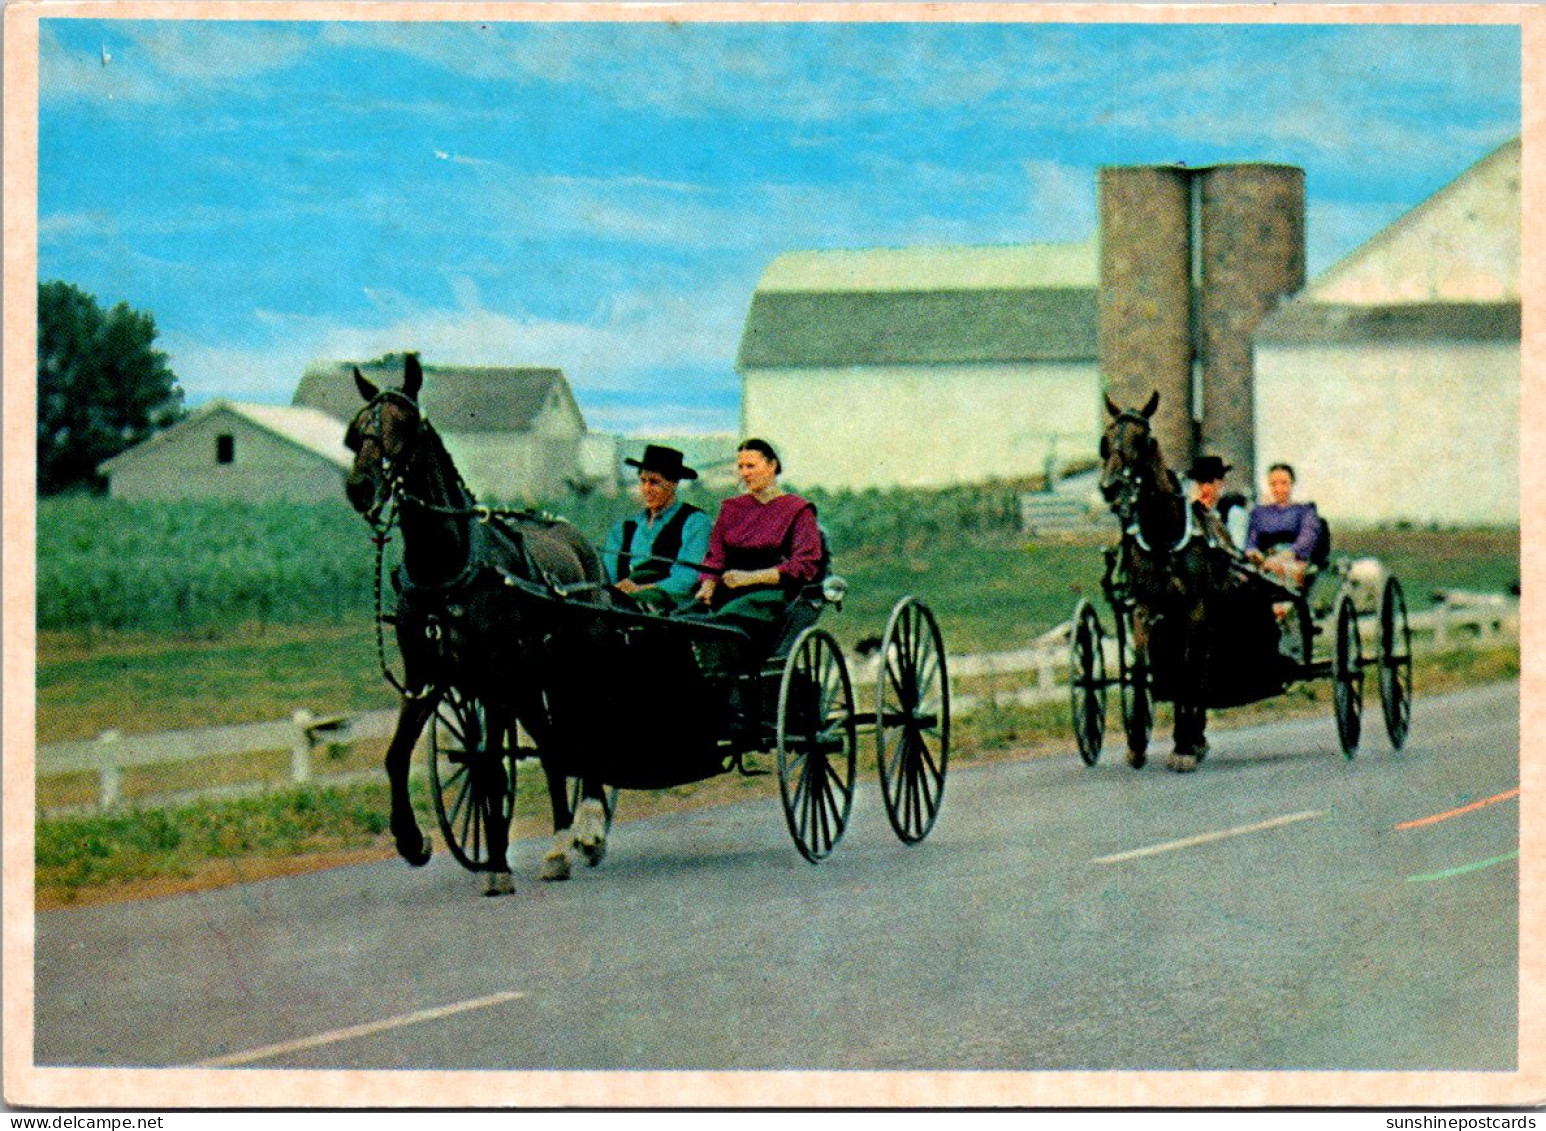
<point x="394" y="471"/>
<point x="1129" y="488"/>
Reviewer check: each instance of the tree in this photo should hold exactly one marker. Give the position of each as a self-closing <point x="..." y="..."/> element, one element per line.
<point x="102" y="387"/>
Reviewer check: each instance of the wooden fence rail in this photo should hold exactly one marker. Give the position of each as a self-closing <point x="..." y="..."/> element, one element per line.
<point x="1039" y="675"/>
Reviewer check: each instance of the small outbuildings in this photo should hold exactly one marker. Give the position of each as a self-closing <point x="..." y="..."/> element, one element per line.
<point x="515" y="433"/>
<point x="233" y="450"/>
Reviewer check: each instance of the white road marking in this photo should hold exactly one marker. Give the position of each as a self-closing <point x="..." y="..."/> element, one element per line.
<point x="1205" y="838"/>
<point x="353" y="1031"/>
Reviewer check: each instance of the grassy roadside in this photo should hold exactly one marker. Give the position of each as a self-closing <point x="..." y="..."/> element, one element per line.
<point x="155" y="852"/>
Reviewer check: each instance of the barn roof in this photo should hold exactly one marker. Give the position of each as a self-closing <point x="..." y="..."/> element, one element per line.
<point x="306" y="428"/>
<point x="457" y="398"/>
<point x="942" y="305"/>
<point x="1461" y="244"/>
<point x="1302" y="322"/>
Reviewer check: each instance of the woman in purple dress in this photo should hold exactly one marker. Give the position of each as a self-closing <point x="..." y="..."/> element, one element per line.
<point x="764" y="546"/>
<point x="1282" y="535"/>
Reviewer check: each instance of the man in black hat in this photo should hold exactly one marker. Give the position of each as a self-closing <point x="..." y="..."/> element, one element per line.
<point x="642" y="552"/>
<point x="1207" y="473"/>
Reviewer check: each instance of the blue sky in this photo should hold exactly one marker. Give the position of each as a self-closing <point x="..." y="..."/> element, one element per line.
<point x="603" y="197"/>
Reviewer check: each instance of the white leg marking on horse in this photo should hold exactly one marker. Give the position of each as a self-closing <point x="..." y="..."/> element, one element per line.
<point x="336" y="1035"/>
<point x="590" y="831"/>
<point x="1206" y="838"/>
<point x="557" y="863"/>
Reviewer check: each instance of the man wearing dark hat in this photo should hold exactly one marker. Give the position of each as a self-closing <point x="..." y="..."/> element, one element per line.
<point x="643" y="552"/>
<point x="1207" y="473"/>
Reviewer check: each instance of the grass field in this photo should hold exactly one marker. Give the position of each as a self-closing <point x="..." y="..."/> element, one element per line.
<point x="181" y="615"/>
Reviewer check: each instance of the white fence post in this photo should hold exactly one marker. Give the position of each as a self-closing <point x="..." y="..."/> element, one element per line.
<point x="109" y="776"/>
<point x="300" y="748"/>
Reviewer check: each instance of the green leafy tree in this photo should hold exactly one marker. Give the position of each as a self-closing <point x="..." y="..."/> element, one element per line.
<point x="102" y="386"/>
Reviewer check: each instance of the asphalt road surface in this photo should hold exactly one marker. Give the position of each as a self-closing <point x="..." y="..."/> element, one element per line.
<point x="1280" y="908"/>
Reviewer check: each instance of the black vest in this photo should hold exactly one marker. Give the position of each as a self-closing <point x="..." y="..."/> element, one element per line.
<point x="668" y="545"/>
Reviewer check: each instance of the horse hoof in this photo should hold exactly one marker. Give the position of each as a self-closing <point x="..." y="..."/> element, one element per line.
<point x="1182" y="763"/>
<point x="416" y="854"/>
<point x="590" y="831"/>
<point x="1137" y="759"/>
<point x="556" y="864"/>
<point x="498" y="883"/>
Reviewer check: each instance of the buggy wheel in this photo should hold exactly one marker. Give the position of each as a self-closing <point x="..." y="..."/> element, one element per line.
<point x="817" y="742"/>
<point x="1347" y="674"/>
<point x="912" y="719"/>
<point x="1087" y="683"/>
<point x="471" y="777"/>
<point x="1137" y="701"/>
<point x="1395" y="664"/>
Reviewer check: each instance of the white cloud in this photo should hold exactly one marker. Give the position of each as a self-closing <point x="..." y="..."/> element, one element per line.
<point x="622" y="349"/>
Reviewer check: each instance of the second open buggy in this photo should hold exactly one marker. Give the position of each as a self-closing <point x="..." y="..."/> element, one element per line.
<point x="1269" y="637"/>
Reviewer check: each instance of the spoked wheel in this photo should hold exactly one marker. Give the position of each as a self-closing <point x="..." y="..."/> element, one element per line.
<point x="1347" y="674"/>
<point x="1395" y="664"/>
<point x="1137" y="701"/>
<point x="817" y="743"/>
<point x="1087" y="683"/>
<point x="912" y="714"/>
<point x="471" y="776"/>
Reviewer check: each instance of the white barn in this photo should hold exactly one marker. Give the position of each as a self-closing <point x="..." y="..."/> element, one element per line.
<point x="1392" y="382"/>
<point x="515" y="433"/>
<point x="233" y="450"/>
<point x="924" y="366"/>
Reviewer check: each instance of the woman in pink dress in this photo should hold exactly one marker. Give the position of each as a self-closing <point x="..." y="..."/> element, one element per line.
<point x="765" y="545"/>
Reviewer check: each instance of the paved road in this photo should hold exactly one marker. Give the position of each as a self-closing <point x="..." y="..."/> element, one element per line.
<point x="1058" y="917"/>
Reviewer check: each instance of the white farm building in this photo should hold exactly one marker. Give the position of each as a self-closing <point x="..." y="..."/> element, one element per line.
<point x="923" y="366"/>
<point x="233" y="450"/>
<point x="515" y="433"/>
<point x="1392" y="381"/>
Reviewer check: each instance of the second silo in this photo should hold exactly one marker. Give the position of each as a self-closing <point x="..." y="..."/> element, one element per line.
<point x="1251" y="219"/>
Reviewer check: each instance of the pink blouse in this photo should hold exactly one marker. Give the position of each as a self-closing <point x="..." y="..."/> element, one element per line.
<point x="751" y="535"/>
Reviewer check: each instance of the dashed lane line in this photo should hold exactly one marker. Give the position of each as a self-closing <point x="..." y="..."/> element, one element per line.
<point x="1504" y="796"/>
<point x="1464" y="868"/>
<point x="353" y="1031"/>
<point x="1206" y="838"/>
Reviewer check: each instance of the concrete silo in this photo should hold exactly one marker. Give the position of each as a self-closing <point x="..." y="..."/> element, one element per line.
<point x="1145" y="322"/>
<point x="1191" y="261"/>
<point x="1253" y="254"/>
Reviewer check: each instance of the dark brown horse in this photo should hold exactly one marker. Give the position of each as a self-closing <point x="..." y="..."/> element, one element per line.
<point x="459" y="625"/>
<point x="1173" y="566"/>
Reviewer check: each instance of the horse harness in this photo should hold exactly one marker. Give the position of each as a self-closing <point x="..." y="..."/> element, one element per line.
<point x="397" y="494"/>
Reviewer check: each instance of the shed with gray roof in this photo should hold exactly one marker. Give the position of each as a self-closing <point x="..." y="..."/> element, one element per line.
<point x="515" y="433"/>
<point x="234" y="450"/>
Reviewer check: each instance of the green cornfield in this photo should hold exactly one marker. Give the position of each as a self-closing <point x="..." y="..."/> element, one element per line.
<point x="195" y="567"/>
<point x="188" y="567"/>
<point x="191" y="568"/>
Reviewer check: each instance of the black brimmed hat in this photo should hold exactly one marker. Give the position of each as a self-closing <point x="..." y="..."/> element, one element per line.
<point x="1205" y="469"/>
<point x="663" y="461"/>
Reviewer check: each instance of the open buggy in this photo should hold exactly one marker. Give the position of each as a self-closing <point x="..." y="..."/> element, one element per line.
<point x="1197" y="625"/>
<point x="797" y="702"/>
<point x="1255" y="654"/>
<point x="506" y="626"/>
